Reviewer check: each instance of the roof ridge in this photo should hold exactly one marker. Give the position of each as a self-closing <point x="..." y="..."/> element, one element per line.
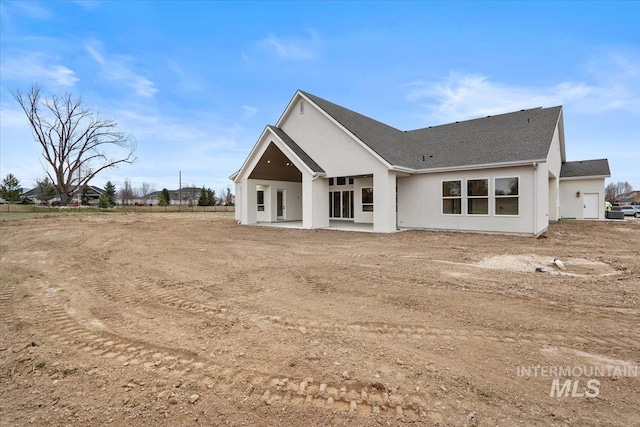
<point x="485" y="117"/>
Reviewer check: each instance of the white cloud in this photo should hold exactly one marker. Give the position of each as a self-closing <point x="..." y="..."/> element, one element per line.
<point x="612" y="85"/>
<point x="249" y="111"/>
<point x="292" y="48"/>
<point x="118" y="69"/>
<point x="462" y="96"/>
<point x="34" y="66"/>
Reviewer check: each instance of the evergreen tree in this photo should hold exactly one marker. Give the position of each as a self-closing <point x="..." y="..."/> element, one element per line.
<point x="84" y="199"/>
<point x="211" y="197"/>
<point x="103" y="201"/>
<point x="110" y="191"/>
<point x="10" y="189"/>
<point x="203" y="200"/>
<point x="165" y="197"/>
<point x="46" y="190"/>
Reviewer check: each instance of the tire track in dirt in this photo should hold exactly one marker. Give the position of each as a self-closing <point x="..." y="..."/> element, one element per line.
<point x="7" y="291"/>
<point x="168" y="298"/>
<point x="61" y="328"/>
<point x="412" y="332"/>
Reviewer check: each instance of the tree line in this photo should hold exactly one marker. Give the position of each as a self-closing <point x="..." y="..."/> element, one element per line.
<point x="11" y="191"/>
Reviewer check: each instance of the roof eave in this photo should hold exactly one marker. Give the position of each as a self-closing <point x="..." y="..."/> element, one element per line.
<point x="282" y="146"/>
<point x="571" y="178"/>
<point x="480" y="166"/>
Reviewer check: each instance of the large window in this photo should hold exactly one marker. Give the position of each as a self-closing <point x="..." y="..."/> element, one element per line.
<point x="478" y="197"/>
<point x="507" y="196"/>
<point x="260" y="200"/>
<point x="452" y="197"/>
<point x="367" y="199"/>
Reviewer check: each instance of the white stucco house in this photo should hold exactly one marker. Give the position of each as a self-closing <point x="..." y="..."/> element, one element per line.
<point x="506" y="173"/>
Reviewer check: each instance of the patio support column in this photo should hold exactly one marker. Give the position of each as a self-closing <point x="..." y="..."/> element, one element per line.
<point x="384" y="202"/>
<point x="249" y="202"/>
<point x="315" y="202"/>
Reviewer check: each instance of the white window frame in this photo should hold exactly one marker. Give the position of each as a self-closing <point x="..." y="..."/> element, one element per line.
<point x="362" y="203"/>
<point x="495" y="197"/>
<point x="443" y="197"/>
<point x="488" y="196"/>
<point x="260" y="205"/>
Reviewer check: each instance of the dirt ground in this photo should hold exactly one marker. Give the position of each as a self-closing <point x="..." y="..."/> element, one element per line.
<point x="190" y="319"/>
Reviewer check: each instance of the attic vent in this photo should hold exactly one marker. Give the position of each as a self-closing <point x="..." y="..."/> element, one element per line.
<point x="301" y="107"/>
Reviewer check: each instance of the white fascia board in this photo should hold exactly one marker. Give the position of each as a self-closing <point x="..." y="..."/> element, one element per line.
<point x="560" y="126"/>
<point x="403" y="169"/>
<point x="576" y="178"/>
<point x="470" y="167"/>
<point x="292" y="155"/>
<point x="334" y="121"/>
<point x="259" y="148"/>
<point x="250" y="156"/>
<point x="234" y="175"/>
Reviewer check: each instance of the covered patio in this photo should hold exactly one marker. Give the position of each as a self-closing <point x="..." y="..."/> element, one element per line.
<point x="333" y="225"/>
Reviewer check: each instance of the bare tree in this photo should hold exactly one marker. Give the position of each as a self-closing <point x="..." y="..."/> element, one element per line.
<point x="74" y="139"/>
<point x="145" y="191"/>
<point x="126" y="192"/>
<point x="613" y="191"/>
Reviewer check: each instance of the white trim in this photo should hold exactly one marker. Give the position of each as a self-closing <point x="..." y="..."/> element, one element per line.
<point x="474" y="167"/>
<point x="495" y="197"/>
<point x="334" y="121"/>
<point x="574" y="178"/>
<point x="260" y="148"/>
<point x="443" y="197"/>
<point x="488" y="197"/>
<point x="362" y="204"/>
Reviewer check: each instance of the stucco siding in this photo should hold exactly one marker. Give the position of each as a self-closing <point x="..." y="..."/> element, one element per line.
<point x="420" y="202"/>
<point x="572" y="193"/>
<point x="292" y="199"/>
<point x="328" y="145"/>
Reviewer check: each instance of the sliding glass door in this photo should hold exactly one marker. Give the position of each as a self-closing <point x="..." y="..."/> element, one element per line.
<point x="341" y="204"/>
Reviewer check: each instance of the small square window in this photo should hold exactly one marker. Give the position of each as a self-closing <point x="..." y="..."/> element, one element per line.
<point x="350" y="181"/>
<point x="341" y="180"/>
<point x="330" y="181"/>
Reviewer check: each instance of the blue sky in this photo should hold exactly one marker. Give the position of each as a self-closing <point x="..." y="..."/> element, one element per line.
<point x="196" y="82"/>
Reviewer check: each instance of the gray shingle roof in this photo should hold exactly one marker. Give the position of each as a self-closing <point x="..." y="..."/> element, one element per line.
<point x="513" y="137"/>
<point x="296" y="149"/>
<point x="599" y="167"/>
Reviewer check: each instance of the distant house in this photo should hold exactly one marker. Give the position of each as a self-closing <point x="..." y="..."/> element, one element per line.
<point x="178" y="197"/>
<point x="506" y="173"/>
<point x="93" y="194"/>
<point x="631" y="198"/>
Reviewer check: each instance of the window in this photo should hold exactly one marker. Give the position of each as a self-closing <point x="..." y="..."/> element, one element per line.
<point x="260" y="200"/>
<point x="367" y="199"/>
<point x="478" y="197"/>
<point x="452" y="197"/>
<point x="301" y="107"/>
<point x="330" y="181"/>
<point x="341" y="180"/>
<point x="507" y="196"/>
<point x="350" y="181"/>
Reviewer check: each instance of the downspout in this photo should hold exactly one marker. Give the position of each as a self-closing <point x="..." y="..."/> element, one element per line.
<point x="535" y="197"/>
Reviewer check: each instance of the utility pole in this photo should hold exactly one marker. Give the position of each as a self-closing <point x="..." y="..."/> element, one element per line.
<point x="180" y="186"/>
